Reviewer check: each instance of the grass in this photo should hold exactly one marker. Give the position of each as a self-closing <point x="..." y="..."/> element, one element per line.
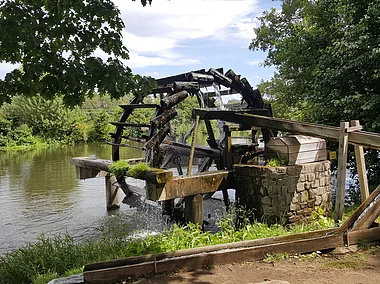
<point x="49" y="258"/>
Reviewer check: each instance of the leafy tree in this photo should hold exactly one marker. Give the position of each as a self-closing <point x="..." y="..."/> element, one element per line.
<point x="327" y="56"/>
<point x="56" y="43"/>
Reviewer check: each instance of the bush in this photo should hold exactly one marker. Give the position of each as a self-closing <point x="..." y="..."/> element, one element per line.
<point x="100" y="128"/>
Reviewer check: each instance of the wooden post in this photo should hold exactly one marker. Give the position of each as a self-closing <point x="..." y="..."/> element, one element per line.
<point x="360" y="164"/>
<point x="194" y="203"/>
<point x="193" y="146"/>
<point x="112" y="196"/>
<point x="342" y="164"/>
<point x="194" y="209"/>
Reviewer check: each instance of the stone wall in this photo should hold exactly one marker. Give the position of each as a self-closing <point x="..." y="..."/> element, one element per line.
<point x="289" y="194"/>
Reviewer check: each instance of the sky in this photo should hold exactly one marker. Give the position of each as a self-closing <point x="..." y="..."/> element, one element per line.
<point x="177" y="36"/>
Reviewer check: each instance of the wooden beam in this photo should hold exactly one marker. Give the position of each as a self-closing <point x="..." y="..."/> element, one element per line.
<point x="366" y="139"/>
<point x="199" y="151"/>
<point x="112" y="193"/>
<point x="359" y="211"/>
<point x="360" y="165"/>
<point x="134" y="106"/>
<point x="172" y="100"/>
<point x="341" y="175"/>
<point x="154" y="176"/>
<point x="192" y="185"/>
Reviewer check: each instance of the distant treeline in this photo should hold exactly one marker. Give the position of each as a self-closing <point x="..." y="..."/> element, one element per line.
<point x="29" y="122"/>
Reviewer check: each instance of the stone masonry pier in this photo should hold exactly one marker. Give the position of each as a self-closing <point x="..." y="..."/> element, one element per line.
<point x="284" y="194"/>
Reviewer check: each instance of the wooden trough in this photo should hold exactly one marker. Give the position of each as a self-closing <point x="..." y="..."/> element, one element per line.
<point x="354" y="230"/>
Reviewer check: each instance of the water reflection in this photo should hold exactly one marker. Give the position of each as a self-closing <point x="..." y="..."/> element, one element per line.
<point x="39" y="194"/>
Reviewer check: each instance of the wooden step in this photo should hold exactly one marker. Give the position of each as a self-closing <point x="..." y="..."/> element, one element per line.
<point x="133" y="106"/>
<point x="126" y="124"/>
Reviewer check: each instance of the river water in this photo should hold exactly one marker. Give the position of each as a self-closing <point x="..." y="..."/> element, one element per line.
<point x="39" y="194"/>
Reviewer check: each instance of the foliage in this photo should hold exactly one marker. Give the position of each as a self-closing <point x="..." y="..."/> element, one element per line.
<point x="56" y="44"/>
<point x="136" y="170"/>
<point x="327" y="57"/>
<point x="100" y="127"/>
<point x="122" y="168"/>
<point x="50" y="119"/>
<point x="183" y="121"/>
<point x="119" y="168"/>
<point x="58" y="256"/>
<point x="277" y="162"/>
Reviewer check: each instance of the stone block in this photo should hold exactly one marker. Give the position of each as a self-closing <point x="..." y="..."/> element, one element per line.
<point x="303" y="205"/>
<point x="302" y="178"/>
<point x="311" y="177"/>
<point x="300" y="187"/>
<point x="325" y="198"/>
<point x="311" y="203"/>
<point x="315" y="184"/>
<point x="313" y="192"/>
<point x="293" y="207"/>
<point x="322" y="182"/>
<point x="307" y="211"/>
<point x="318" y="200"/>
<point x="295" y="198"/>
<point x="294" y="219"/>
<point x="304" y="196"/>
<point x="307" y="185"/>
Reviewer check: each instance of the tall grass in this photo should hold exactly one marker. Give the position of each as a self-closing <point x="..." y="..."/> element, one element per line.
<point x="49" y="258"/>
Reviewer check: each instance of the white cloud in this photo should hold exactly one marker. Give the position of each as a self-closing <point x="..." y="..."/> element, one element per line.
<point x="255" y="62"/>
<point x="152" y="33"/>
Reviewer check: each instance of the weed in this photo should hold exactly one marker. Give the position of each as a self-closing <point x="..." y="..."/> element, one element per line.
<point x="275" y="257"/>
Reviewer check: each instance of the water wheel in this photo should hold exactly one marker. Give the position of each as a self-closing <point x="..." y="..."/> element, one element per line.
<point x="161" y="149"/>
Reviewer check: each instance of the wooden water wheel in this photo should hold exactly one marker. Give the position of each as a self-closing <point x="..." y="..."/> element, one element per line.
<point x="161" y="150"/>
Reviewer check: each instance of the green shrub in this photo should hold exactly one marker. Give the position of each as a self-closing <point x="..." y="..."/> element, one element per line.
<point x="119" y="168"/>
<point x="100" y="127"/>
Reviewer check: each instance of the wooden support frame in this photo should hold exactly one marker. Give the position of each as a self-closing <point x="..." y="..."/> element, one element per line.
<point x="360" y="164"/>
<point x="341" y="178"/>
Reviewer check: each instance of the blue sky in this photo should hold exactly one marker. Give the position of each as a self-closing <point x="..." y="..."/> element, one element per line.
<point x="176" y="36"/>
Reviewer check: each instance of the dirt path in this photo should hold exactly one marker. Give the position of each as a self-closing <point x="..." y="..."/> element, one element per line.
<point x="360" y="267"/>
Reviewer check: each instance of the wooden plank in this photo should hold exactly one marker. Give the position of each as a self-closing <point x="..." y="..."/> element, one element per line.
<point x="369" y="235"/>
<point x="359" y="211"/>
<point x="126" y="124"/>
<point x="366" y="139"/>
<point x="370" y="215"/>
<point x="341" y="175"/>
<point x="92" y="163"/>
<point x="155" y="176"/>
<point x="172" y="100"/>
<point x="360" y="165"/>
<point x="112" y="196"/>
<point x="199" y="151"/>
<point x="192" y="185"/>
<point x="198" y="261"/>
<point x="134" y="106"/>
<point x="192" y="149"/>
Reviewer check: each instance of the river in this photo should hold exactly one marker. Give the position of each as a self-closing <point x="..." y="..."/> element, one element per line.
<point x="39" y="194"/>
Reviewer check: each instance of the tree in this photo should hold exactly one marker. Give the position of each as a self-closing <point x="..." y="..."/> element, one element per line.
<point x="56" y="42"/>
<point x="327" y="55"/>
